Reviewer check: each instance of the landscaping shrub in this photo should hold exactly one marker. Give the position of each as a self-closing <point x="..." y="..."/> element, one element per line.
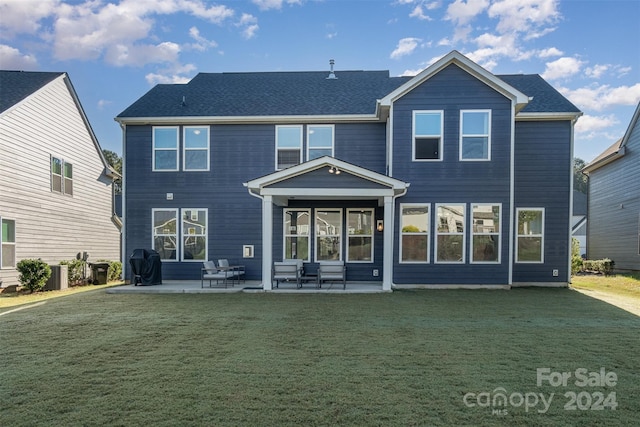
<point x="76" y="270"/>
<point x="576" y="259"/>
<point x="34" y="274"/>
<point x="604" y="266"/>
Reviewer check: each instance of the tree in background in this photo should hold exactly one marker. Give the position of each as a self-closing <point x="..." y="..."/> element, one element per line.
<point x="579" y="179"/>
<point x="115" y="162"/>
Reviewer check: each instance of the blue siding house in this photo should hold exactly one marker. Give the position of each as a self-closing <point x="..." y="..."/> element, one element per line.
<point x="453" y="178"/>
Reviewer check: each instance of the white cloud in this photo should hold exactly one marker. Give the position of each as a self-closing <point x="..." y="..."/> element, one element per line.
<point x="249" y="23"/>
<point x="202" y="43"/>
<point x="549" y="52"/>
<point x="405" y="47"/>
<point x="103" y="103"/>
<point x="561" y="68"/>
<point x="138" y="55"/>
<point x="173" y="75"/>
<point x="419" y="13"/>
<point x="12" y="59"/>
<point x="273" y="4"/>
<point x="596" y="71"/>
<point x="24" y="16"/>
<point x="524" y="16"/>
<point x="598" y="98"/>
<point x="588" y="124"/>
<point x="461" y="12"/>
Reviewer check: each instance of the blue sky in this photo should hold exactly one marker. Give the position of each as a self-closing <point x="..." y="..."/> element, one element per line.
<point x="117" y="50"/>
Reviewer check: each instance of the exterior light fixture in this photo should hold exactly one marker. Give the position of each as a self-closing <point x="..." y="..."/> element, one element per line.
<point x="333" y="169"/>
<point x="380" y="225"/>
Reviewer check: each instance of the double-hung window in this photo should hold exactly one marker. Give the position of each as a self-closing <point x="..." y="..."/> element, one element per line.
<point x="194" y="234"/>
<point x="414" y="233"/>
<point x="475" y="135"/>
<point x="61" y="176"/>
<point x="360" y="239"/>
<point x="165" y="148"/>
<point x="485" y="236"/>
<point x="530" y="246"/>
<point x="8" y="244"/>
<point x="196" y="148"/>
<point x="319" y="141"/>
<point x="165" y="233"/>
<point x="427" y="135"/>
<point x="450" y="236"/>
<point x="328" y="226"/>
<point x="288" y="146"/>
<point x="297" y="225"/>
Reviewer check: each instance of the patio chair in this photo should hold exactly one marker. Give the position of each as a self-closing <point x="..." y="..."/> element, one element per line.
<point x="285" y="271"/>
<point x="234" y="272"/>
<point x="332" y="272"/>
<point x="210" y="272"/>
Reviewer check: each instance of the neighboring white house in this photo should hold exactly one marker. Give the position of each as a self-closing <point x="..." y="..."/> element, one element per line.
<point x="56" y="188"/>
<point x="579" y="220"/>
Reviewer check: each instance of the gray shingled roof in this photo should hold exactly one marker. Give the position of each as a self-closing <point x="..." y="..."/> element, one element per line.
<point x="302" y="93"/>
<point x="17" y="85"/>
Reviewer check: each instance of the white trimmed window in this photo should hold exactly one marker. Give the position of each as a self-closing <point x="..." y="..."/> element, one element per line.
<point x="165" y="233"/>
<point x="319" y="141"/>
<point x="427" y="135"/>
<point x="8" y="243"/>
<point x="194" y="234"/>
<point x="328" y="225"/>
<point x="61" y="176"/>
<point x="360" y="237"/>
<point x="530" y="238"/>
<point x="414" y="233"/>
<point x="450" y="236"/>
<point x="288" y="146"/>
<point x="485" y="236"/>
<point x="165" y="148"/>
<point x="296" y="234"/>
<point x="475" y="135"/>
<point x="196" y="148"/>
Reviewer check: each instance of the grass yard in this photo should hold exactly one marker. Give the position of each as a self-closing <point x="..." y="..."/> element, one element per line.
<point x="405" y="358"/>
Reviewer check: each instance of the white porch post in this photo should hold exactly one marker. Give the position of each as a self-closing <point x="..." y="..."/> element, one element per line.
<point x="387" y="239"/>
<point x="267" y="241"/>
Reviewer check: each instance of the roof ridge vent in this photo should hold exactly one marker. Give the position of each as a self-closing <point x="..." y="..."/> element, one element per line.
<point x="332" y="75"/>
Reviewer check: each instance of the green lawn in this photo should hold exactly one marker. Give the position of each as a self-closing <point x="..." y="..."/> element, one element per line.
<point x="627" y="285"/>
<point x="404" y="358"/>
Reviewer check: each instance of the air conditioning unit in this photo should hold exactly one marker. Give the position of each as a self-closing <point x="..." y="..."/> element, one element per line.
<point x="59" y="278"/>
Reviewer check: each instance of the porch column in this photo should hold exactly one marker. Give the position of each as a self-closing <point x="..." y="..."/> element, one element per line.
<point x="267" y="241"/>
<point x="387" y="243"/>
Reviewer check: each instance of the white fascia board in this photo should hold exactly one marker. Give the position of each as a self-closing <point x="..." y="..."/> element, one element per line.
<point x="455" y="57"/>
<point x="199" y="120"/>
<point x="329" y="192"/>
<point x="528" y="117"/>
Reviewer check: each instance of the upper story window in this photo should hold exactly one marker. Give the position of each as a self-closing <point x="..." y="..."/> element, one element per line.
<point x="8" y="244"/>
<point x="288" y="146"/>
<point x="427" y="135"/>
<point x="414" y="237"/>
<point x="450" y="235"/>
<point x="475" y="135"/>
<point x="61" y="176"/>
<point x="196" y="148"/>
<point x="530" y="245"/>
<point x="165" y="148"/>
<point x="319" y="141"/>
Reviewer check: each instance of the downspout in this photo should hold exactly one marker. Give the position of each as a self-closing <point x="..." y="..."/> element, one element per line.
<point x="267" y="235"/>
<point x="512" y="192"/>
<point x="388" y="243"/>
<point x="124" y="203"/>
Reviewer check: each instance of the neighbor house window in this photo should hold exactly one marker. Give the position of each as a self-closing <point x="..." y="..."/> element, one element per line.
<point x="296" y="230"/>
<point x="196" y="148"/>
<point x="328" y="226"/>
<point x="530" y="246"/>
<point x="475" y="135"/>
<point x="165" y="233"/>
<point x="165" y="148"/>
<point x="319" y="141"/>
<point x="427" y="135"/>
<point x="414" y="233"/>
<point x="450" y="241"/>
<point x="485" y="236"/>
<point x="61" y="176"/>
<point x="194" y="234"/>
<point x="360" y="238"/>
<point x="8" y="244"/>
<point x="288" y="146"/>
